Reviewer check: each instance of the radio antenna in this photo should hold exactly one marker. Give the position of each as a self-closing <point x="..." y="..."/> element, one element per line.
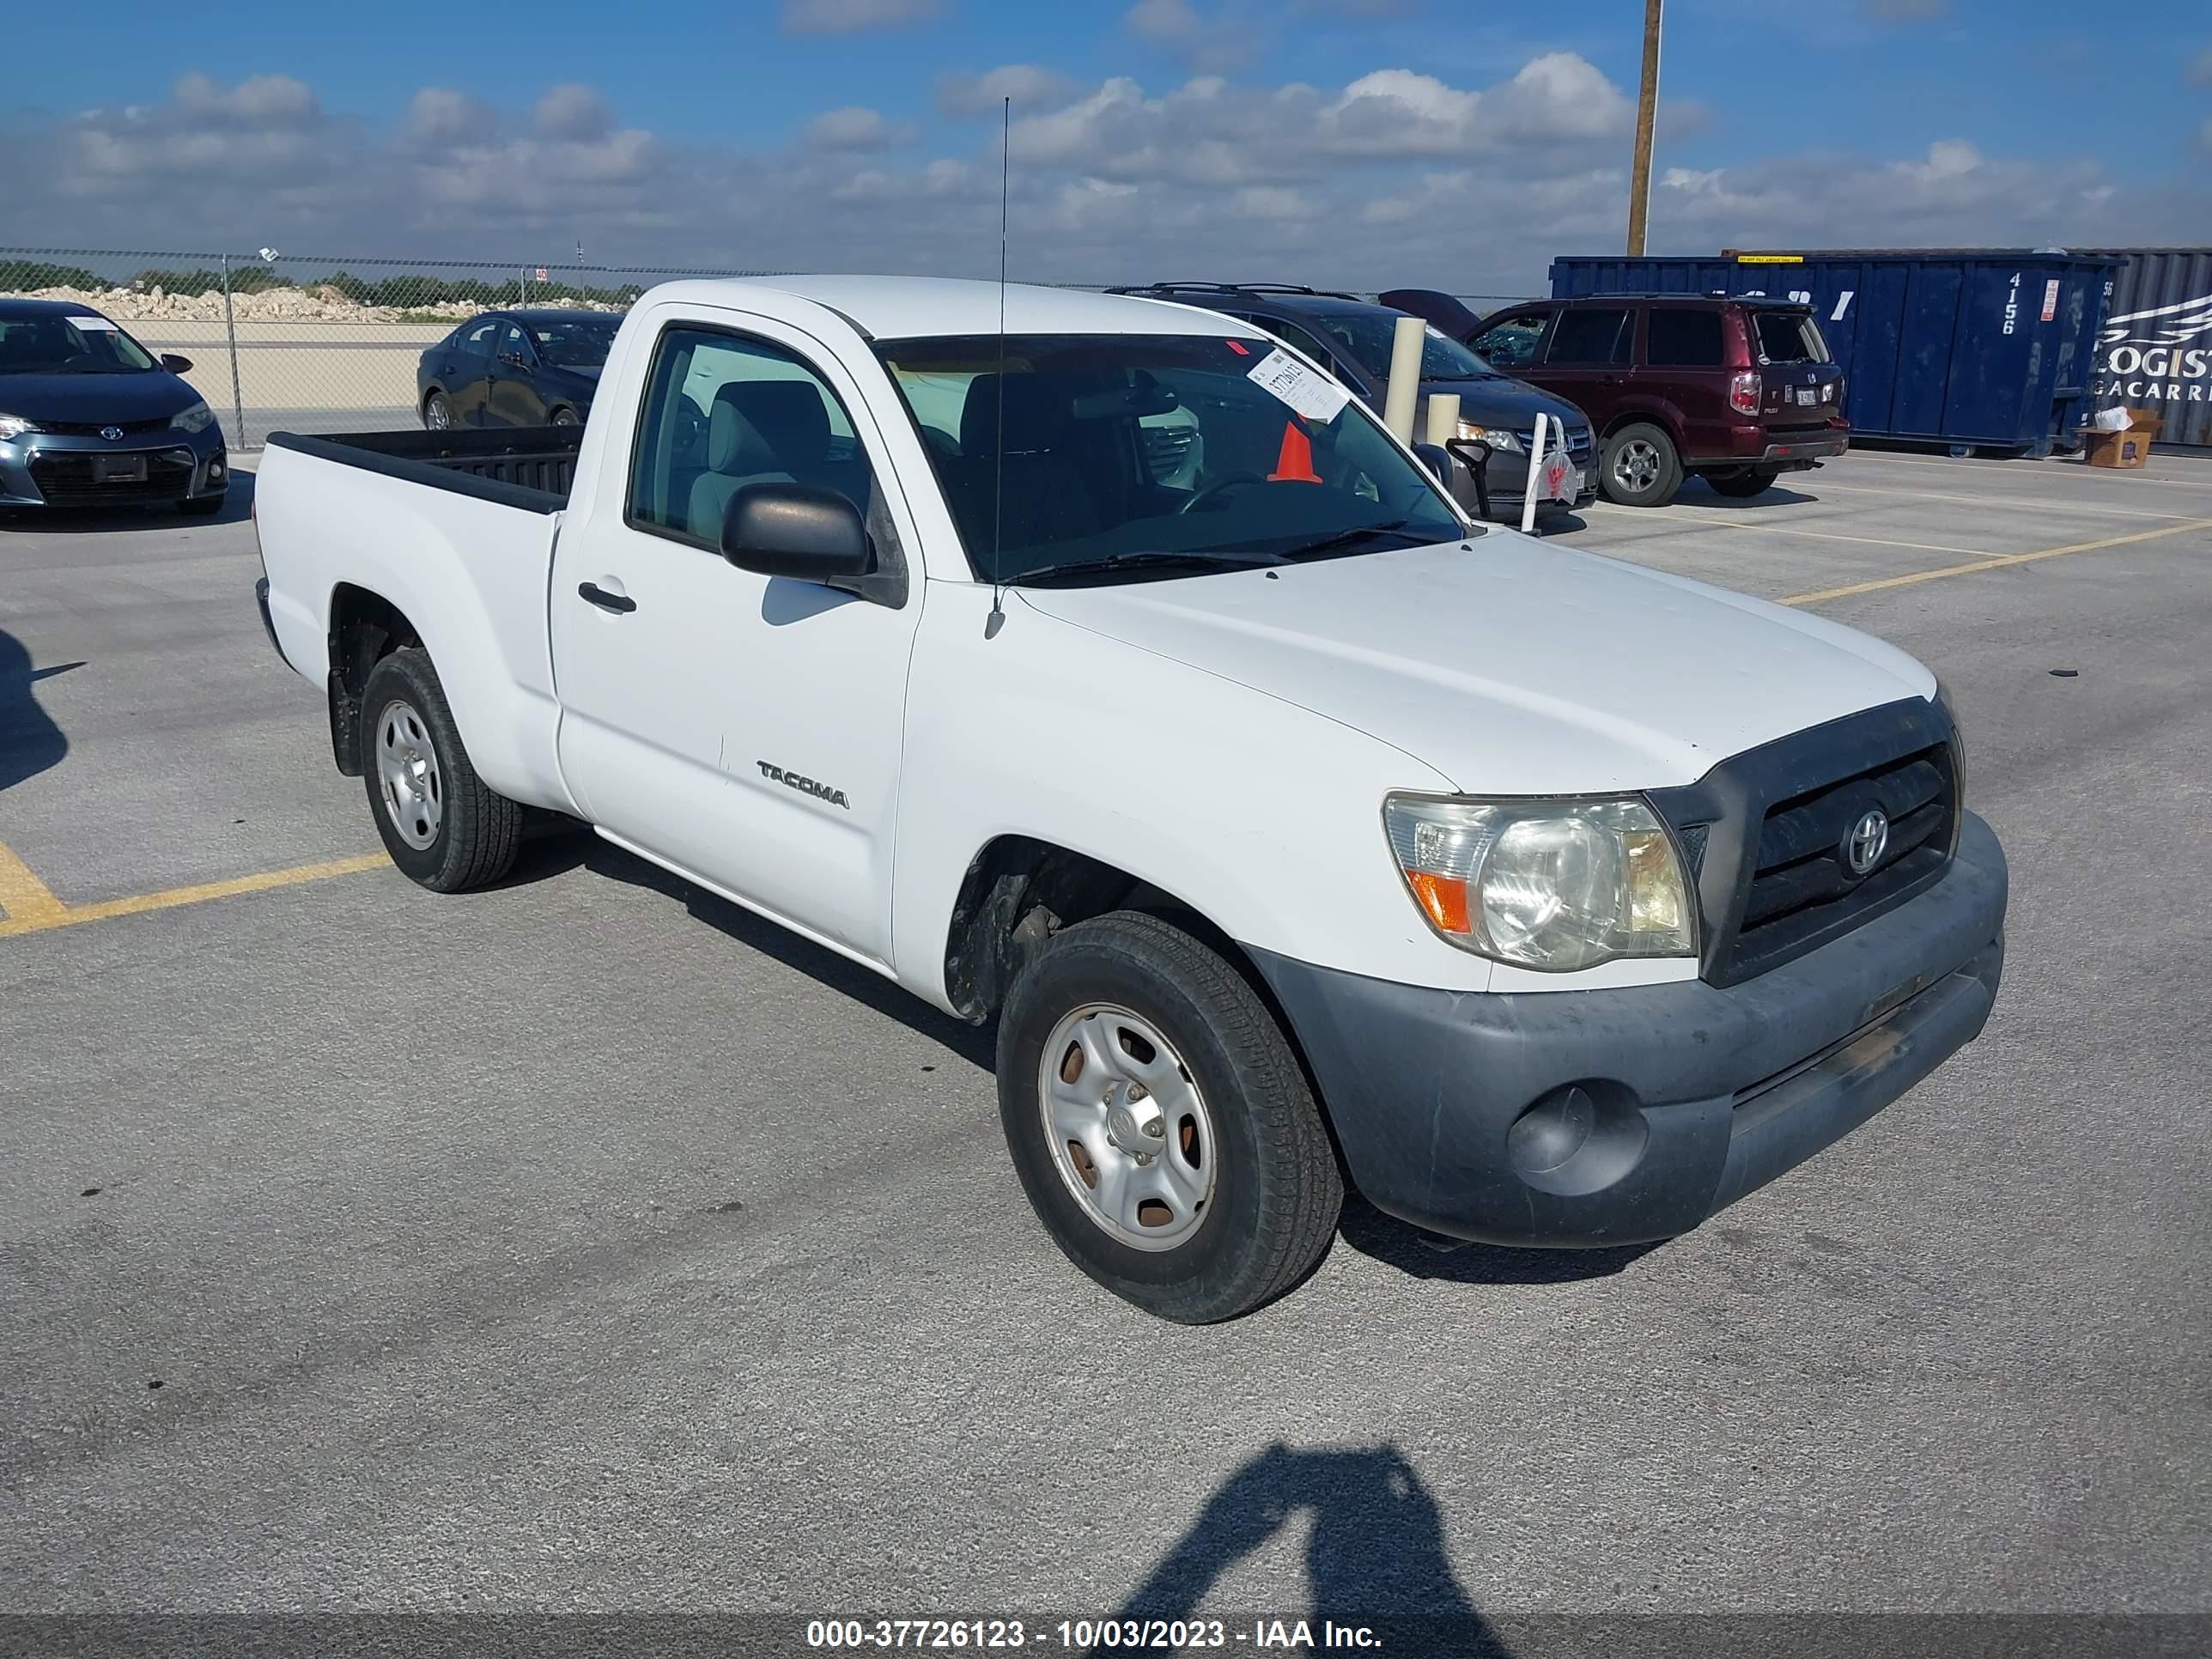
<point x="999" y="483"/>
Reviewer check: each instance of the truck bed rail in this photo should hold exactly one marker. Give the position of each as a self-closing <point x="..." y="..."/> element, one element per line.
<point x="532" y="467"/>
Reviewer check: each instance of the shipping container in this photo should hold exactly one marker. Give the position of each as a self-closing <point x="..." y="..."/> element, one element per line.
<point x="1976" y="348"/>
<point x="2156" y="350"/>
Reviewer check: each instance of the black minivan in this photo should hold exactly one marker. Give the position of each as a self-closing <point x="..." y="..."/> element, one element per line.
<point x="1351" y="338"/>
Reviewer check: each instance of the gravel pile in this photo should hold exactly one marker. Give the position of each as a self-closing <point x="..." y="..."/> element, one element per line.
<point x="324" y="304"/>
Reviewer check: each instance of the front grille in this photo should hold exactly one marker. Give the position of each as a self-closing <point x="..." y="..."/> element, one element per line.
<point x="93" y="428"/>
<point x="1579" y="447"/>
<point x="1764" y="832"/>
<point x="65" y="479"/>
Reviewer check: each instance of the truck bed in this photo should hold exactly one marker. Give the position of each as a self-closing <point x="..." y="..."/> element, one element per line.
<point x="530" y="467"/>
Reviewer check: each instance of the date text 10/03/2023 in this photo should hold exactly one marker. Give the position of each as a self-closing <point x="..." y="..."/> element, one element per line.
<point x="1171" y="1635"/>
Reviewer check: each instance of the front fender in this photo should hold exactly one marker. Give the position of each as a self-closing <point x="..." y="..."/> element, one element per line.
<point x="1264" y="816"/>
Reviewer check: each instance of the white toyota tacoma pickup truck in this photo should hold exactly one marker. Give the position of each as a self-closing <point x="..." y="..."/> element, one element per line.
<point x="1112" y="675"/>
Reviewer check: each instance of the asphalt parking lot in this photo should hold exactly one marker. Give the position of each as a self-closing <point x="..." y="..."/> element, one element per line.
<point x="585" y="1243"/>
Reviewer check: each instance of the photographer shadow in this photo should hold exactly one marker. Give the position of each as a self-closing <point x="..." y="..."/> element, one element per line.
<point x="1375" y="1556"/>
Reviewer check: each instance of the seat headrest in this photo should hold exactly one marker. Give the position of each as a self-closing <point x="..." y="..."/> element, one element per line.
<point x="1037" y="413"/>
<point x="789" y="414"/>
<point x="733" y="443"/>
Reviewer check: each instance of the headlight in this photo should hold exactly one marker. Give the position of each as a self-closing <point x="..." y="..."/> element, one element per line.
<point x="198" y="418"/>
<point x="1550" y="884"/>
<point x="15" y="426"/>
<point x="1500" y="440"/>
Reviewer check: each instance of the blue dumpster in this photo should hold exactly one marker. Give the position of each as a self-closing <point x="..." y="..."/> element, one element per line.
<point x="1990" y="349"/>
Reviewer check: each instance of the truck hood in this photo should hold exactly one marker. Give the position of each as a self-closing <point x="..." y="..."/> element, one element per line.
<point x="1515" y="667"/>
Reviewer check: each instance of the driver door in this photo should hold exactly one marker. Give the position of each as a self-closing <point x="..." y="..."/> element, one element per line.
<point x="744" y="728"/>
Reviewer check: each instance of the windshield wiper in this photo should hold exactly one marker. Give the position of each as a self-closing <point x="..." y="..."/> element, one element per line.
<point x="1158" y="561"/>
<point x="1352" y="538"/>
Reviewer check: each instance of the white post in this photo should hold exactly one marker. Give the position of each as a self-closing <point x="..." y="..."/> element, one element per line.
<point x="1405" y="390"/>
<point x="1535" y="468"/>
<point x="1443" y="418"/>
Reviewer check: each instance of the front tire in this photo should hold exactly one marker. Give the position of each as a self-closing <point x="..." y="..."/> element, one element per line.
<point x="1160" y="1123"/>
<point x="437" y="413"/>
<point x="1642" y="468"/>
<point x="440" y="823"/>
<point x="565" y="418"/>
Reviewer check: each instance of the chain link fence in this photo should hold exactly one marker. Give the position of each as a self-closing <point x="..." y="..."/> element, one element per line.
<point x="316" y="342"/>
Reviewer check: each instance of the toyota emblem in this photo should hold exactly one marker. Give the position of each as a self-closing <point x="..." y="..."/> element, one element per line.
<point x="110" y="433"/>
<point x="1868" y="840"/>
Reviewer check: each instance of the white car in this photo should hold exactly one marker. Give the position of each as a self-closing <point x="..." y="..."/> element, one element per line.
<point x="1294" y="829"/>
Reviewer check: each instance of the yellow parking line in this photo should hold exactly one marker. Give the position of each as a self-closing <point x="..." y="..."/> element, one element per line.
<point x="1988" y="562"/>
<point x="32" y="908"/>
<point x="1814" y="534"/>
<point x="26" y="901"/>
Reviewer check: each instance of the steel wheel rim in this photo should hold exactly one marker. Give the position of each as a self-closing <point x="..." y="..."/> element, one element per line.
<point x="407" y="776"/>
<point x="1636" y="465"/>
<point x="437" y="417"/>
<point x="1127" y="1126"/>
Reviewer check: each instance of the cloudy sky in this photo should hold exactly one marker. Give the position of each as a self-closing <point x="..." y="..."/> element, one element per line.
<point x="1454" y="143"/>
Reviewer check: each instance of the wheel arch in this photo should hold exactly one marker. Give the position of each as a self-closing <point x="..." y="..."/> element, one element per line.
<point x="365" y="628"/>
<point x="1020" y="890"/>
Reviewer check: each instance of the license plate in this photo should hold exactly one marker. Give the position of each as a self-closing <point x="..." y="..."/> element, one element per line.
<point x="1807" y="394"/>
<point x="118" y="468"/>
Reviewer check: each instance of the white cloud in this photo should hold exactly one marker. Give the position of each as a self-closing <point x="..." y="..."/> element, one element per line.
<point x="853" y="16"/>
<point x="853" y="128"/>
<point x="1029" y="85"/>
<point x="574" y="111"/>
<point x="1204" y="43"/>
<point x="1470" y="188"/>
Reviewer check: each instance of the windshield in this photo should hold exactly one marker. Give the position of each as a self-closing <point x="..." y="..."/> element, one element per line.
<point x="582" y="343"/>
<point x="62" y="343"/>
<point x="1122" y="444"/>
<point x="1369" y="335"/>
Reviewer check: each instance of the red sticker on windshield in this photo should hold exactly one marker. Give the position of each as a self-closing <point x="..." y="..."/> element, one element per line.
<point x="1236" y="347"/>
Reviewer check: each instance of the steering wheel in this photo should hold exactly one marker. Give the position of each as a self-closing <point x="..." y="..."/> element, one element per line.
<point x="1219" y="486"/>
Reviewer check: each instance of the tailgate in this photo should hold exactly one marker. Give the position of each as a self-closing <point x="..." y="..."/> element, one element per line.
<point x="1800" y="383"/>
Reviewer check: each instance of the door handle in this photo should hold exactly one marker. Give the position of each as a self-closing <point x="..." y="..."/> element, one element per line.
<point x="621" y="604"/>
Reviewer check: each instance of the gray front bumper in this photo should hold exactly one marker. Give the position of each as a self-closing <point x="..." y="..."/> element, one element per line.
<point x="180" y="466"/>
<point x="1620" y="1116"/>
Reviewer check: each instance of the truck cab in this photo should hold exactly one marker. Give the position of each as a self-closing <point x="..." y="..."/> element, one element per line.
<point x="1292" y="829"/>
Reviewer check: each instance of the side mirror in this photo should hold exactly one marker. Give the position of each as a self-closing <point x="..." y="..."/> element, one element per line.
<point x="175" y="364"/>
<point x="514" y="360"/>
<point x="794" y="530"/>
<point x="1437" y="458"/>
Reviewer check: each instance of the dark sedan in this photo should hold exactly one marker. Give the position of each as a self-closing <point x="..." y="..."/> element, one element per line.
<point x="537" y="368"/>
<point x="88" y="417"/>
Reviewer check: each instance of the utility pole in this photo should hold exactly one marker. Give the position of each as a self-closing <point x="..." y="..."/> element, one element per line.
<point x="1647" y="107"/>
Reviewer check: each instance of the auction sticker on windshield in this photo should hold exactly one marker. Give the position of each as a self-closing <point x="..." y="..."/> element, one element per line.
<point x="1313" y="396"/>
<point x="94" y="324"/>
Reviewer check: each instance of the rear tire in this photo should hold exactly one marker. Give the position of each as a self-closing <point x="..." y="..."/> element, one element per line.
<point x="1751" y="480"/>
<point x="440" y="823"/>
<point x="1128" y="1015"/>
<point x="1641" y="467"/>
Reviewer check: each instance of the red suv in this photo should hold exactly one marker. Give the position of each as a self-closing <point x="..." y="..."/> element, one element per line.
<point x="1736" y="391"/>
